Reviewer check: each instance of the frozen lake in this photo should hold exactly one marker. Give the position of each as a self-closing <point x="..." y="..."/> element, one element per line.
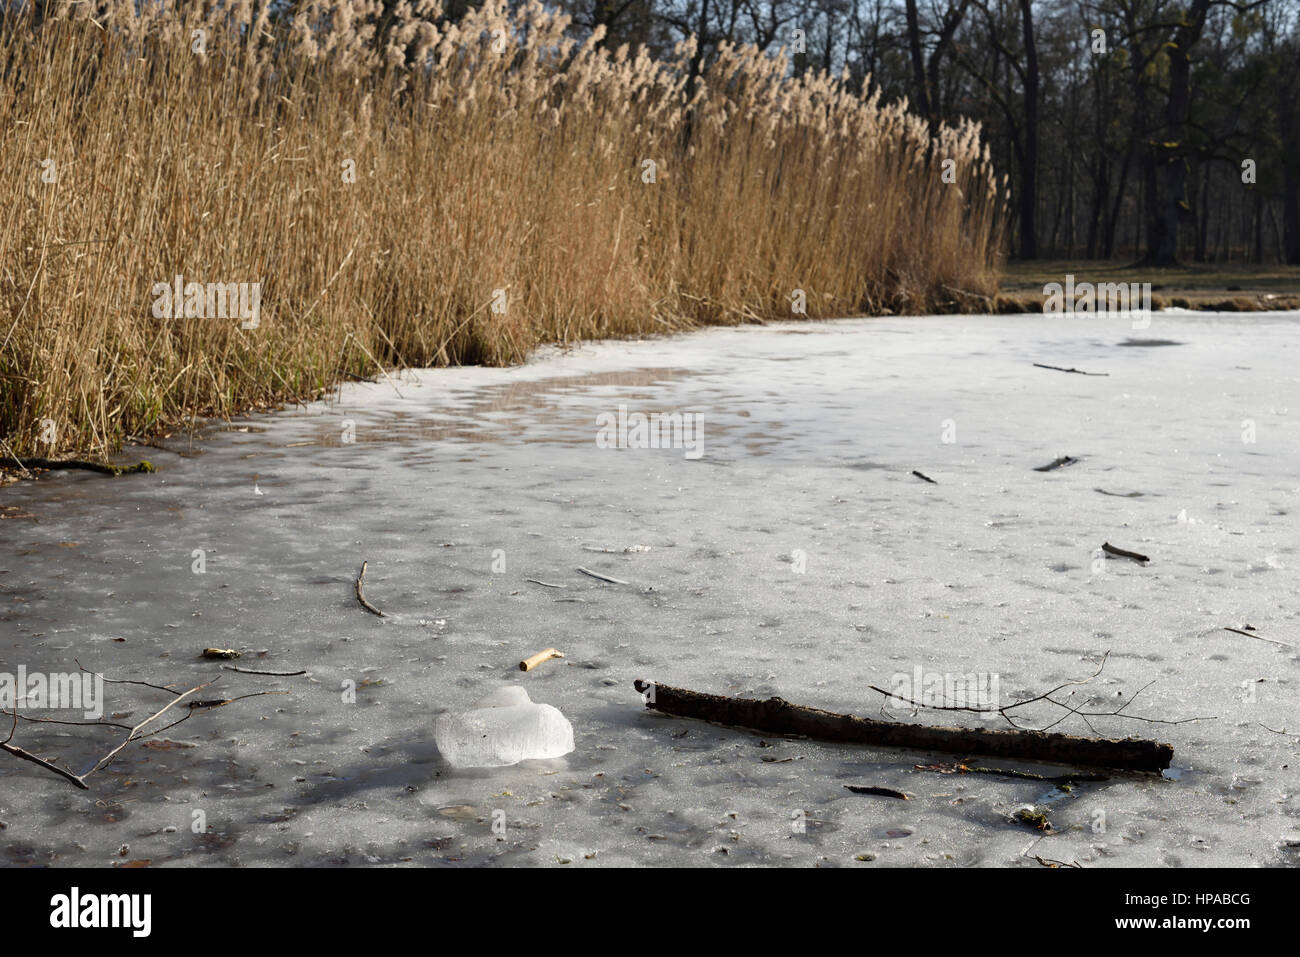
<point x="796" y="555"/>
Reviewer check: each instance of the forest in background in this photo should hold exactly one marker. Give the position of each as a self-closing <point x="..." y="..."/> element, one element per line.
<point x="1126" y="127"/>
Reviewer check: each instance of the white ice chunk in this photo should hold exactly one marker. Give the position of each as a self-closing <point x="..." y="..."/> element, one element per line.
<point x="504" y="727"/>
<point x="508" y="697"/>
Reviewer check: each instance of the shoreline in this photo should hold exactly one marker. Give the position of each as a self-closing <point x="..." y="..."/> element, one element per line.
<point x="1001" y="305"/>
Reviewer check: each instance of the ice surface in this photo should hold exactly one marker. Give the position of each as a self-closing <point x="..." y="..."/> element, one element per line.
<point x="798" y="557"/>
<point x="503" y="728"/>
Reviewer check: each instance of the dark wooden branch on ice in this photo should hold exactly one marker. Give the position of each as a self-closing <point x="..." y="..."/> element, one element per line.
<point x="361" y="595"/>
<point x="878" y="792"/>
<point x="778" y="716"/>
<point x="1110" y="549"/>
<point x="924" y="477"/>
<point x="1063" y="461"/>
<point x="28" y="756"/>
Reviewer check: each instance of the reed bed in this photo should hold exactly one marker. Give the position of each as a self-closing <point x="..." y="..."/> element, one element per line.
<point x="414" y="192"/>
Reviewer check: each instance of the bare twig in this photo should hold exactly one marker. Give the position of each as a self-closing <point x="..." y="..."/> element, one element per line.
<point x="273" y="674"/>
<point x="94" y="724"/>
<point x="361" y="595"/>
<point x="600" y="577"/>
<point x="1070" y="710"/>
<point x="1057" y="463"/>
<point x="879" y="792"/>
<point x="924" y="477"/>
<point x="1076" y="371"/>
<point x="28" y="756"/>
<point x="195" y="706"/>
<point x="134" y="732"/>
<point x="1283" y="731"/>
<point x="108" y="758"/>
<point x="1251" y="634"/>
<point x="1110" y="549"/>
<point x="124" y="681"/>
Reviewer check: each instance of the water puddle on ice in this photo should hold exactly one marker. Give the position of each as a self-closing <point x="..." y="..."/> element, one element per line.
<point x="530" y="411"/>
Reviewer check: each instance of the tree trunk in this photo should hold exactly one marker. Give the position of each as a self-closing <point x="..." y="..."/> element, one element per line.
<point x="1029" y="171"/>
<point x="1167" y="204"/>
<point x="1291" y="214"/>
<point x="1203" y="214"/>
<point x="921" y="87"/>
<point x="1098" y="204"/>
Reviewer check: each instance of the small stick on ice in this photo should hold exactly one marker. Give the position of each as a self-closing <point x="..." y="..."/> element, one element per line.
<point x="1249" y="634"/>
<point x="924" y="477"/>
<point x="528" y="664"/>
<point x="1110" y="549"/>
<point x="600" y="577"/>
<point x="249" y="671"/>
<point x="28" y="756"/>
<point x="544" y="584"/>
<point x="1057" y="463"/>
<point x="1076" y="371"/>
<point x="361" y="595"/>
<point x="880" y="792"/>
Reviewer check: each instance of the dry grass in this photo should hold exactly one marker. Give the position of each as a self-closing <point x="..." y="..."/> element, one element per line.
<point x="510" y="160"/>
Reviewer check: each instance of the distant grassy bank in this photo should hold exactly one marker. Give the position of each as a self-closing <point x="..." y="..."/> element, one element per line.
<point x="455" y="194"/>
<point x="1211" y="286"/>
